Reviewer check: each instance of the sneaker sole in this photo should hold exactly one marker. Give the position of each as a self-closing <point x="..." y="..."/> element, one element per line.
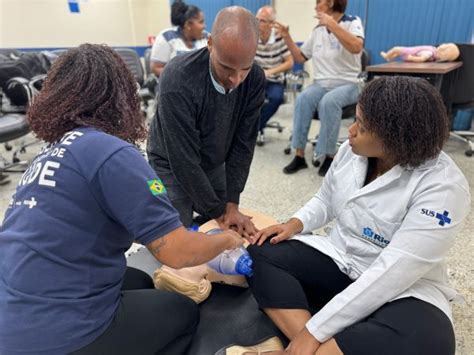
<point x="294" y="171"/>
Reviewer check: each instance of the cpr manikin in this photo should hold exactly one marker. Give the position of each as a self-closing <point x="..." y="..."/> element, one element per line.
<point x="195" y="282"/>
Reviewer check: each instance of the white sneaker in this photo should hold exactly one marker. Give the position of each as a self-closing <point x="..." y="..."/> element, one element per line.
<point x="260" y="139"/>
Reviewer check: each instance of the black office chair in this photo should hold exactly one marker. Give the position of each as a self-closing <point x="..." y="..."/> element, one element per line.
<point x="13" y="121"/>
<point x="58" y="52"/>
<point x="132" y="59"/>
<point x="9" y="53"/>
<point x="463" y="97"/>
<point x="147" y="58"/>
<point x="151" y="81"/>
<point x="347" y="111"/>
<point x="12" y="126"/>
<point x="294" y="81"/>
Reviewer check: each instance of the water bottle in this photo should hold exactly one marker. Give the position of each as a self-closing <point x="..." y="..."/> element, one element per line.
<point x="194" y="228"/>
<point x="231" y="262"/>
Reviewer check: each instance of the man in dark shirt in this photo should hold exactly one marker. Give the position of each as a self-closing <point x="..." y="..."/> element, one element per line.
<point x="203" y="135"/>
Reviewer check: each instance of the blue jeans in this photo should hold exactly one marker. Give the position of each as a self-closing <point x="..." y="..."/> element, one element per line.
<point x="274" y="98"/>
<point x="329" y="103"/>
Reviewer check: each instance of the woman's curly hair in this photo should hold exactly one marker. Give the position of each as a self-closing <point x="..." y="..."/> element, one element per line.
<point x="88" y="86"/>
<point x="409" y="116"/>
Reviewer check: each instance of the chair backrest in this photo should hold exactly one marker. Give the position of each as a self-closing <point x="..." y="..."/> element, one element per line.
<point x="9" y="53"/>
<point x="58" y="52"/>
<point x="132" y="59"/>
<point x="146" y="57"/>
<point x="364" y="59"/>
<point x="464" y="88"/>
<point x="12" y="126"/>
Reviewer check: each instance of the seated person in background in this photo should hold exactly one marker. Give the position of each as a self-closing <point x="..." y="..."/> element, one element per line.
<point x="377" y="282"/>
<point x="446" y="52"/>
<point x="335" y="48"/>
<point x="203" y="135"/>
<point x="187" y="35"/>
<point x="65" y="286"/>
<point x="275" y="59"/>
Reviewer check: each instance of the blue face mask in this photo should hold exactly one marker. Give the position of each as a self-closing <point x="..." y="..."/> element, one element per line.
<point x="220" y="89"/>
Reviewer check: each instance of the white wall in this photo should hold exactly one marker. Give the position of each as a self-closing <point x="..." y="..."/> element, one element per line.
<point x="299" y="15"/>
<point x="49" y="23"/>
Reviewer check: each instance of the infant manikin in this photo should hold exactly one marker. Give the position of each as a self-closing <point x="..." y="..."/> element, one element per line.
<point x="445" y="52"/>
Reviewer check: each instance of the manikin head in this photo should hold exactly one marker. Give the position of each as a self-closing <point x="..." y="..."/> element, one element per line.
<point x="447" y="52"/>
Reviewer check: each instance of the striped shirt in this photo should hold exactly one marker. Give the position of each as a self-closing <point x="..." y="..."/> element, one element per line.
<point x="271" y="54"/>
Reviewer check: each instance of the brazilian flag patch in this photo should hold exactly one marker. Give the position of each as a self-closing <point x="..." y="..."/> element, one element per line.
<point x="156" y="187"/>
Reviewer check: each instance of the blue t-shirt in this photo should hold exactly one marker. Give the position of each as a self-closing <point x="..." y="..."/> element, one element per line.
<point x="77" y="209"/>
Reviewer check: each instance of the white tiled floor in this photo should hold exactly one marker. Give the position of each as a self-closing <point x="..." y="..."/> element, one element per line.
<point x="270" y="191"/>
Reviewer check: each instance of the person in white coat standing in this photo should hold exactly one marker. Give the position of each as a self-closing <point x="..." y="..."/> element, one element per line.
<point x="377" y="283"/>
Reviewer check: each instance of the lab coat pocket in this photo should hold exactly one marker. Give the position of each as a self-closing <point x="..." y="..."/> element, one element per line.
<point x="370" y="233"/>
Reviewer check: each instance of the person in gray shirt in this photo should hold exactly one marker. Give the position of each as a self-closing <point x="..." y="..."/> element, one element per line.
<point x="203" y="135"/>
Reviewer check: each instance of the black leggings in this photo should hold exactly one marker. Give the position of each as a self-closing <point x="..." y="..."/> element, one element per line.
<point x="293" y="275"/>
<point x="148" y="321"/>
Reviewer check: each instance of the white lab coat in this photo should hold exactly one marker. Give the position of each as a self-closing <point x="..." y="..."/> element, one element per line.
<point x="391" y="236"/>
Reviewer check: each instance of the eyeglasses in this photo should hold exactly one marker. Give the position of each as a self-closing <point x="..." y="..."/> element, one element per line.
<point x="266" y="22"/>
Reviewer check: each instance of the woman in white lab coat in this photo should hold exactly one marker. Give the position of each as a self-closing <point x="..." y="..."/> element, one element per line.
<point x="377" y="283"/>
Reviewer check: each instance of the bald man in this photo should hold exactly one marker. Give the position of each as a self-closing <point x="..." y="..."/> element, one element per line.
<point x="203" y="135"/>
<point x="275" y="59"/>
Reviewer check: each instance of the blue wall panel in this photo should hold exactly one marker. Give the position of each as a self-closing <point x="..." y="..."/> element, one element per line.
<point x="212" y="7"/>
<point x="357" y="8"/>
<point x="252" y="5"/>
<point x="387" y="22"/>
<point x="457" y="22"/>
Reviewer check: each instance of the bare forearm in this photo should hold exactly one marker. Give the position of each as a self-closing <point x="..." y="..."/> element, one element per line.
<point x="294" y="50"/>
<point x="182" y="248"/>
<point x="157" y="68"/>
<point x="296" y="225"/>
<point x="201" y="248"/>
<point x="350" y="42"/>
<point x="283" y="67"/>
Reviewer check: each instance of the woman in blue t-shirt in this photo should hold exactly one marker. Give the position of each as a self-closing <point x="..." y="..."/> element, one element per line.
<point x="65" y="286"/>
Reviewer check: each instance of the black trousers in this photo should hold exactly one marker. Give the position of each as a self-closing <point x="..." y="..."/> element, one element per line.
<point x="148" y="321"/>
<point x="292" y="275"/>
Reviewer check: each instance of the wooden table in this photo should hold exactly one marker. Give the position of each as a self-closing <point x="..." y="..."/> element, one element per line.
<point x="442" y="75"/>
